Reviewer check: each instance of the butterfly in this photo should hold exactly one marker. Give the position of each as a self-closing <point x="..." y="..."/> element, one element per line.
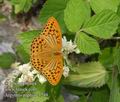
<point x="46" y="55"/>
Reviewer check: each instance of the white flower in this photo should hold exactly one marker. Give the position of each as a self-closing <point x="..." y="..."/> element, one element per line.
<point x="68" y="46"/>
<point x="27" y="75"/>
<point x="15" y="65"/>
<point x="25" y="68"/>
<point x="41" y="78"/>
<point x="77" y="50"/>
<point x="34" y="71"/>
<point x="26" y="78"/>
<point x="66" y="71"/>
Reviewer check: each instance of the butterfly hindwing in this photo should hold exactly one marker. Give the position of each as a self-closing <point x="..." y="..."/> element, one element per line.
<point x="53" y="72"/>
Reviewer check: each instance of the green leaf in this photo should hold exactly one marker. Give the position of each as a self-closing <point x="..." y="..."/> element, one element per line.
<point x="118" y="13"/>
<point x="76" y="12"/>
<point x="53" y="92"/>
<point x="106" y="57"/>
<point x="14" y="2"/>
<point x="54" y="8"/>
<point x="60" y="99"/>
<point x="22" y="54"/>
<point x="76" y="90"/>
<point x="99" y="5"/>
<point x="118" y="10"/>
<point x="37" y="95"/>
<point x="86" y="44"/>
<point x="100" y="95"/>
<point x="22" y="5"/>
<point x="110" y="57"/>
<point x="103" y="24"/>
<point x="91" y="74"/>
<point x="27" y="37"/>
<point x="6" y="59"/>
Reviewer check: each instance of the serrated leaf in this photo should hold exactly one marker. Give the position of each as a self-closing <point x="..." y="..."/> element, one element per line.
<point x="118" y="10"/>
<point x="99" y="5"/>
<point x="53" y="8"/>
<point x="22" y="5"/>
<point x="76" y="12"/>
<point x="86" y="44"/>
<point x="103" y="24"/>
<point x="27" y="37"/>
<point x="91" y="74"/>
<point x="6" y="59"/>
<point x="118" y="13"/>
<point x="22" y="54"/>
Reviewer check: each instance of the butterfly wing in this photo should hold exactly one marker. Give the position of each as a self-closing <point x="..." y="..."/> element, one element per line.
<point x="53" y="71"/>
<point x="42" y="57"/>
<point x="52" y="28"/>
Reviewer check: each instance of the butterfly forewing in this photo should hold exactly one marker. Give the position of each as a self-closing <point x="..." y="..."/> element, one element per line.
<point x="42" y="52"/>
<point x="52" y="29"/>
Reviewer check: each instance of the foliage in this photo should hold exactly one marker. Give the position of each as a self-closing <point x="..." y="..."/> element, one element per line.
<point x="34" y="92"/>
<point x="90" y="24"/>
<point x="6" y="59"/>
<point x="93" y="76"/>
<point x="56" y="9"/>
<point x="99" y="5"/>
<point x="27" y="42"/>
<point x="22" y="5"/>
<point x="87" y="44"/>
<point x="75" y="14"/>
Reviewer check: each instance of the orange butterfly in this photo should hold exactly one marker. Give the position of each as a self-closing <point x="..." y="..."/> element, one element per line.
<point x="46" y="55"/>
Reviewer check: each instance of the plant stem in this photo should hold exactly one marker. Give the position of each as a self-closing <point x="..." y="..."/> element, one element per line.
<point x="114" y="83"/>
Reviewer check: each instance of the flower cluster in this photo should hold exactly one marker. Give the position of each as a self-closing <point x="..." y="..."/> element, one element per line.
<point x="68" y="46"/>
<point x="28" y="74"/>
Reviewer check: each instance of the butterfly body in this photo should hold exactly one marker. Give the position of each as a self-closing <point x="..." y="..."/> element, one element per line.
<point x="46" y="55"/>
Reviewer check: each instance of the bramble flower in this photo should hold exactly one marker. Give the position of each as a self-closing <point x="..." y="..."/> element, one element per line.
<point x="15" y="65"/>
<point x="26" y="78"/>
<point x="25" y="68"/>
<point x="68" y="46"/>
<point x="41" y="78"/>
<point x="28" y="74"/>
<point x="66" y="71"/>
